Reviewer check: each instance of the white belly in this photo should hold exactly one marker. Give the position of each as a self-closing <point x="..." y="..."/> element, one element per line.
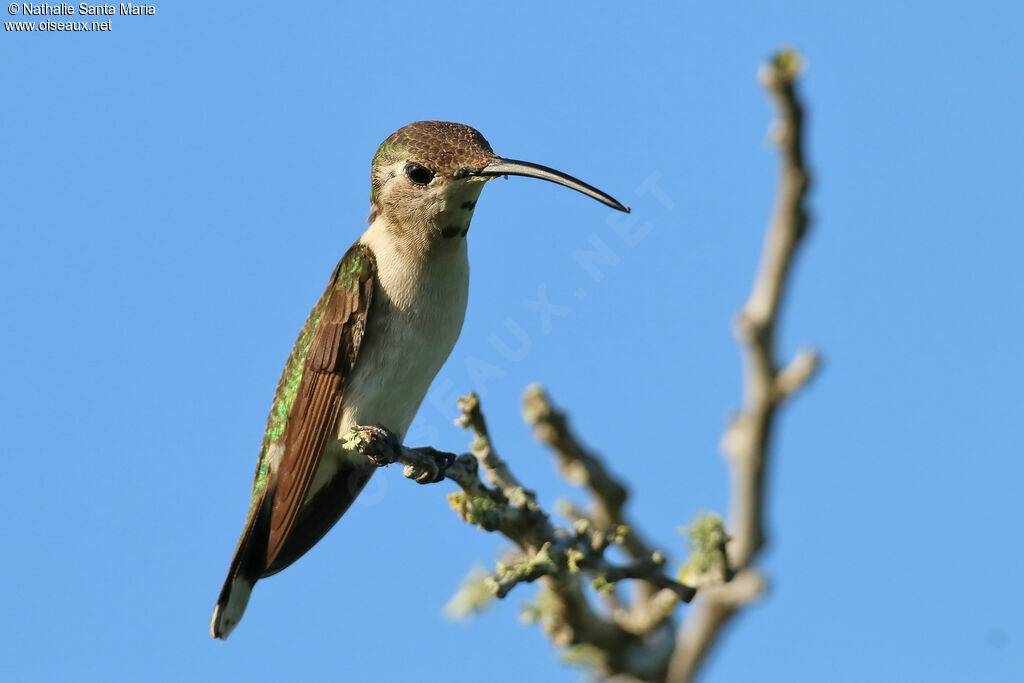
<point x="402" y="352"/>
<point x="415" y="319"/>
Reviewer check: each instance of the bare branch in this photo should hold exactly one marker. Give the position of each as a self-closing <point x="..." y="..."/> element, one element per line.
<point x="556" y="556"/>
<point x="582" y="468"/>
<point x="496" y="471"/>
<point x="607" y="512"/>
<point x="796" y="374"/>
<point x="649" y="570"/>
<point x="747" y="439"/>
<point x="716" y="605"/>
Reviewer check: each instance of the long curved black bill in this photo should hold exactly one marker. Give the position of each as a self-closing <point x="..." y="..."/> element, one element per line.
<point x="500" y="167"/>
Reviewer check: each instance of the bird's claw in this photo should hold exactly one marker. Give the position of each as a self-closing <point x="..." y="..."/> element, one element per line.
<point x="382" y="448"/>
<point x="431" y="468"/>
<point x="378" y="443"/>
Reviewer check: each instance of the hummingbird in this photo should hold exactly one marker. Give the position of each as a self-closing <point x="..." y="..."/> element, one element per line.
<point x="387" y="321"/>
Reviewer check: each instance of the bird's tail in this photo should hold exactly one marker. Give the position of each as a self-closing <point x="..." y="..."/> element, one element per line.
<point x="246" y="567"/>
<point x="231" y="606"/>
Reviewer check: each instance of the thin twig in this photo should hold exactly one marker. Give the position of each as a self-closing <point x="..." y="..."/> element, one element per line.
<point x="496" y="470"/>
<point x="747" y="439"/>
<point x="582" y="468"/>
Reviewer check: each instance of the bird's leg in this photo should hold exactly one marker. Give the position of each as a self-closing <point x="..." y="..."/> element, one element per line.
<point x="382" y="447"/>
<point x="431" y="468"/>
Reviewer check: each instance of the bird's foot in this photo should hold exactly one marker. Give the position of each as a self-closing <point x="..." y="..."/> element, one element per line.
<point x="381" y="447"/>
<point x="429" y="466"/>
<point x="378" y="443"/>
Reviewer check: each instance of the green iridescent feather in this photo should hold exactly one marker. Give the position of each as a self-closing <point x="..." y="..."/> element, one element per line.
<point x="353" y="267"/>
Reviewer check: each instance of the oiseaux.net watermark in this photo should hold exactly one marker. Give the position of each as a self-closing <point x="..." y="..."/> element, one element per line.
<point x="63" y="17"/>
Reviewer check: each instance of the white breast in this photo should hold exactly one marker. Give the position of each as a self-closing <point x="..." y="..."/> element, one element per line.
<point x="415" y="319"/>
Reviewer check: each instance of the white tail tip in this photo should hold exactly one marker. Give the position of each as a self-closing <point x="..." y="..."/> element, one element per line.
<point x="226" y="615"/>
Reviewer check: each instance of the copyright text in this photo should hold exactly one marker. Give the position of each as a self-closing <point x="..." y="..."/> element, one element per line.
<point x="42" y="9"/>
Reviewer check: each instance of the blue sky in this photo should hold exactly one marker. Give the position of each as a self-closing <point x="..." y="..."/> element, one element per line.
<point x="177" y="191"/>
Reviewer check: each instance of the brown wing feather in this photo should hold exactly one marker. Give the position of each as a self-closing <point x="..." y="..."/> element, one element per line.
<point x="322" y="512"/>
<point x="279" y="529"/>
<point x="317" y="406"/>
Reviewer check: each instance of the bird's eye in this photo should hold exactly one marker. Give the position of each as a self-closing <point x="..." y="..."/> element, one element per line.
<point x="421" y="175"/>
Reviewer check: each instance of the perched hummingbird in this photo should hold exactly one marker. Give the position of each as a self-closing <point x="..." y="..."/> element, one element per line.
<point x="372" y="345"/>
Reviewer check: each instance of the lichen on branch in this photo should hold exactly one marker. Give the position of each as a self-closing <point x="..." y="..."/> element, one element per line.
<point x="565" y="559"/>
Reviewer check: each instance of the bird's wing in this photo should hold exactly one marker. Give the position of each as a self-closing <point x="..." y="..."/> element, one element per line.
<point x="313" y="393"/>
<point x="302" y="419"/>
<point x="321" y="512"/>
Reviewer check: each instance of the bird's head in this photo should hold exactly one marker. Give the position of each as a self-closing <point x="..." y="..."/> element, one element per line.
<point x="427" y="176"/>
